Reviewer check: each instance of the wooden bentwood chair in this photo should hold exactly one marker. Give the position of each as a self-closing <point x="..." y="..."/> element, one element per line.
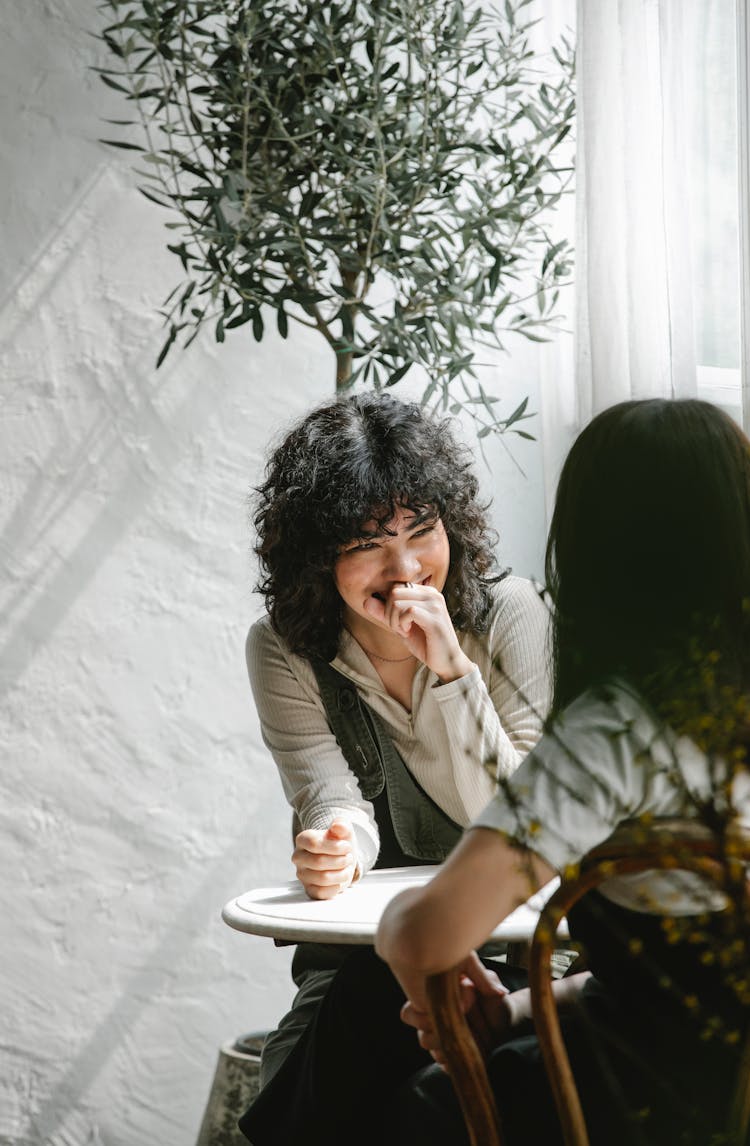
<point x="667" y="844"/>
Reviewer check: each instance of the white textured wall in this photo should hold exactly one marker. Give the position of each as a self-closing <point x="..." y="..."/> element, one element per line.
<point x="135" y="794"/>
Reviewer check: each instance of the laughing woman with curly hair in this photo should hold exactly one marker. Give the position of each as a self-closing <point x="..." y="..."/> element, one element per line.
<point x="397" y="674"/>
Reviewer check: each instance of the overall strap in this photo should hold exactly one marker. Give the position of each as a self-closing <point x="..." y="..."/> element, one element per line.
<point x="412" y="827"/>
<point x="354" y="726"/>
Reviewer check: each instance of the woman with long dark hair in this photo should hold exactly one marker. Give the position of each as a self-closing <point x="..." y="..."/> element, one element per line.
<point x="648" y="564"/>
<point x="398" y="675"/>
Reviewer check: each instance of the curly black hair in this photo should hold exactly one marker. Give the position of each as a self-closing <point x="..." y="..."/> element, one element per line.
<point x="346" y="463"/>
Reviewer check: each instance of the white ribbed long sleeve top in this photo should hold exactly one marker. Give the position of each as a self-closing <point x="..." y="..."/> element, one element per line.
<point x="456" y="740"/>
<point x="608" y="760"/>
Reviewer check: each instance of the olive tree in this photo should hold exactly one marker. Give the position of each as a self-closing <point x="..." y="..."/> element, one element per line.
<point x="383" y="171"/>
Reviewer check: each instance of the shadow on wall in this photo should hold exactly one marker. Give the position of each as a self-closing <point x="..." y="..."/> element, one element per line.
<point x="130" y="738"/>
<point x="55" y="1123"/>
<point x="93" y="482"/>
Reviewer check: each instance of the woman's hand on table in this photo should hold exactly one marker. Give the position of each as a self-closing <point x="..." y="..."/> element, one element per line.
<point x="484" y="1001"/>
<point x="419" y="614"/>
<point x="325" y="859"/>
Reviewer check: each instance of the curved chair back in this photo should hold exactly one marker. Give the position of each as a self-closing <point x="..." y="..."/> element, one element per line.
<point x="667" y="844"/>
<point x="464" y="1061"/>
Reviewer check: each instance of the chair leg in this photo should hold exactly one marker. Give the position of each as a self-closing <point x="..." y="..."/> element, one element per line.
<point x="549" y="1034"/>
<point x="464" y="1060"/>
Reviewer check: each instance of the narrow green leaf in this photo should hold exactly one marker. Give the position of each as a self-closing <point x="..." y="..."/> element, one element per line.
<point x="166" y="347"/>
<point x="122" y="144"/>
<point x="106" y="79"/>
<point x="398" y="374"/>
<point x="154" y="198"/>
<point x="517" y="413"/>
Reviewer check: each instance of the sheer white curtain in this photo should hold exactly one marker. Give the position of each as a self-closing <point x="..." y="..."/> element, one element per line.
<point x="658" y="193"/>
<point x="634" y="296"/>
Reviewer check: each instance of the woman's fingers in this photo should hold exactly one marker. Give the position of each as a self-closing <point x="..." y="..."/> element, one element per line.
<point x="485" y="980"/>
<point x="324" y="891"/>
<point x="424" y="622"/>
<point x="419" y="614"/>
<point x="314" y="861"/>
<point x="421" y="1021"/>
<point x="413" y="1017"/>
<point x="330" y="842"/>
<point x="325" y="884"/>
<point x="376" y="609"/>
<point x="427" y="1036"/>
<point x="325" y="860"/>
<point x="418" y="601"/>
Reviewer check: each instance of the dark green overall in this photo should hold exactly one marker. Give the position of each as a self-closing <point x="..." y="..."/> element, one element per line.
<point x="413" y="830"/>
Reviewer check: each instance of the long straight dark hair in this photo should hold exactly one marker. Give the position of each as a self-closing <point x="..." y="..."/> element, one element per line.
<point x="648" y="558"/>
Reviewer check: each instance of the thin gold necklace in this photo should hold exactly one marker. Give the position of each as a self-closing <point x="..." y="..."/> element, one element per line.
<point x="377" y="656"/>
<point x="388" y="660"/>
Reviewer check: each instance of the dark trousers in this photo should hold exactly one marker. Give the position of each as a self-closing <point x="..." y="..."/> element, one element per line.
<point x="654" y="1044"/>
<point x="635" y="1091"/>
<point x="355" y="1055"/>
<point x="646" y="1073"/>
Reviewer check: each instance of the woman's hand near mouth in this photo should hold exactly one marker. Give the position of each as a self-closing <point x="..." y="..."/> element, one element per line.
<point x="419" y="614"/>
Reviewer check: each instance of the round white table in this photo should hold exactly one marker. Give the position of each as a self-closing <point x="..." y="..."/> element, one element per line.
<point x="286" y="913"/>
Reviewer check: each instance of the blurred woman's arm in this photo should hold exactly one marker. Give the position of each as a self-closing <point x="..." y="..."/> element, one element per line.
<point x="433" y="928"/>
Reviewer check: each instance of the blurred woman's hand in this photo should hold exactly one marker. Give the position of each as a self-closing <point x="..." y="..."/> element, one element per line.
<point x="484" y="1001"/>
